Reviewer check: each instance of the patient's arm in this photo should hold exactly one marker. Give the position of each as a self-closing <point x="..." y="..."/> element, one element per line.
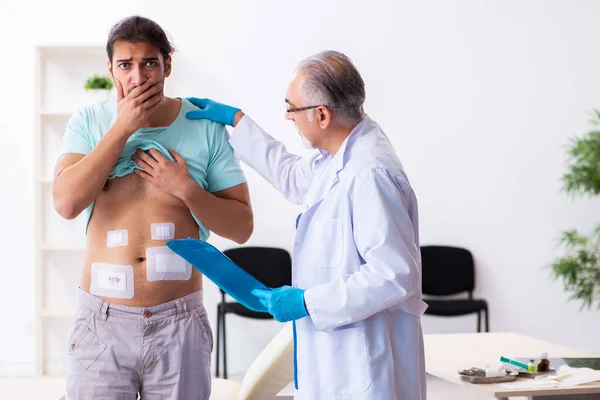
<point x="78" y="178"/>
<point x="227" y="212"/>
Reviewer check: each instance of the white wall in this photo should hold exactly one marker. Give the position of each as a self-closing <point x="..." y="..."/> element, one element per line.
<point x="479" y="99"/>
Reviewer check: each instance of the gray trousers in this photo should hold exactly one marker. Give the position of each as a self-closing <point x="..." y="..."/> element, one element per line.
<point x="160" y="352"/>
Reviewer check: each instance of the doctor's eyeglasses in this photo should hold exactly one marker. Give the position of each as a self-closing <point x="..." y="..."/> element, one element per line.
<point x="293" y="110"/>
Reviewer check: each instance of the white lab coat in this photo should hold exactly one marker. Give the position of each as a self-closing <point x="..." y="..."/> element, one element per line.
<point x="357" y="255"/>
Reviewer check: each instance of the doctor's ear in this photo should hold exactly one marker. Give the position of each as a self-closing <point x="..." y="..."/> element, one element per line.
<point x="324" y="117"/>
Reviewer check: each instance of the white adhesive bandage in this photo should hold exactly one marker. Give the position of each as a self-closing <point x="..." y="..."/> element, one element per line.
<point x="164" y="231"/>
<point x="117" y="238"/>
<point x="112" y="280"/>
<point x="162" y="264"/>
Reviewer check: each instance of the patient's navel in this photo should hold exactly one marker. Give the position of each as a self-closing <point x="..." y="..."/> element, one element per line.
<point x="105" y="187"/>
<point x="140" y="259"/>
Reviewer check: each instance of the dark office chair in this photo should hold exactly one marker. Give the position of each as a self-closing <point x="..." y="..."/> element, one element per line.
<point x="271" y="266"/>
<point x="447" y="271"/>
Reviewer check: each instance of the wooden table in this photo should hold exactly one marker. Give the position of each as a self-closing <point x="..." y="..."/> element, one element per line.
<point x="445" y="354"/>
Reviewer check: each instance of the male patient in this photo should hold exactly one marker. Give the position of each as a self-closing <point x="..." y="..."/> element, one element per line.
<point x="144" y="174"/>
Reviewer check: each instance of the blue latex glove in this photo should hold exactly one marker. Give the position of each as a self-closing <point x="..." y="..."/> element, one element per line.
<point x="284" y="304"/>
<point x="212" y="110"/>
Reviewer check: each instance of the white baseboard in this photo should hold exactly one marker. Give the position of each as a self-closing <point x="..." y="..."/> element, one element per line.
<point x="14" y="369"/>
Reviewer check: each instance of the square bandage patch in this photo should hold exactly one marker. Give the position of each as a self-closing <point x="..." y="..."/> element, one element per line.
<point x="162" y="264"/>
<point x="117" y="238"/>
<point x="162" y="231"/>
<point x="112" y="280"/>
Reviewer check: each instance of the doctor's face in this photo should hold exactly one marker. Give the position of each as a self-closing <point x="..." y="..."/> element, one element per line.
<point x="134" y="63"/>
<point x="304" y="120"/>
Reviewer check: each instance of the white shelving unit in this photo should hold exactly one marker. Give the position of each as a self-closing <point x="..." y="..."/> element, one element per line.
<point x="59" y="244"/>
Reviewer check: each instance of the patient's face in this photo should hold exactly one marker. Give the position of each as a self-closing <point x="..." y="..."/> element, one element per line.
<point x="135" y="63"/>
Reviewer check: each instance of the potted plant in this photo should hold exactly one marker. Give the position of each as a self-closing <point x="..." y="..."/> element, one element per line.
<point x="579" y="268"/>
<point x="98" y="88"/>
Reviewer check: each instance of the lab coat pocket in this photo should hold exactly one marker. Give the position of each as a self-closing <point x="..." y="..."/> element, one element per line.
<point x="325" y="243"/>
<point x="344" y="361"/>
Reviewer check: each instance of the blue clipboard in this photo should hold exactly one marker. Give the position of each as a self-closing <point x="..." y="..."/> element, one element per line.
<point x="217" y="267"/>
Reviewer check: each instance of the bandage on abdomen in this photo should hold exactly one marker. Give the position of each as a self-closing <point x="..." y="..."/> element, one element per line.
<point x="117" y="238"/>
<point x="162" y="264"/>
<point x="112" y="280"/>
<point x="162" y="231"/>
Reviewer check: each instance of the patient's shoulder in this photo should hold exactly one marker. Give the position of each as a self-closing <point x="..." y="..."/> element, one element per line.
<point x="97" y="113"/>
<point x="205" y="126"/>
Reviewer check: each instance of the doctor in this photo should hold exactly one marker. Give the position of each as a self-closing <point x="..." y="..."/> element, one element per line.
<point x="356" y="295"/>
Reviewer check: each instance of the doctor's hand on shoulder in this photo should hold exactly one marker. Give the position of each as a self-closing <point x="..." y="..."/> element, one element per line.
<point x="284" y="304"/>
<point x="217" y="112"/>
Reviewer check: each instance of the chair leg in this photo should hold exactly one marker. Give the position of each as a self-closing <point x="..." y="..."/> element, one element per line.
<point x="479" y="321"/>
<point x="224" y="348"/>
<point x="487" y="320"/>
<point x="218" y="338"/>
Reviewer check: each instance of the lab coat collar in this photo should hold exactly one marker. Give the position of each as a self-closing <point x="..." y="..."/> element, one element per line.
<point x="325" y="182"/>
<point x="340" y="158"/>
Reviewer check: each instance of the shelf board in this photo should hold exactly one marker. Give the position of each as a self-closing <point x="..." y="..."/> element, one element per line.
<point x="58" y="48"/>
<point x="56" y="313"/>
<point x="62" y="247"/>
<point x="57" y="113"/>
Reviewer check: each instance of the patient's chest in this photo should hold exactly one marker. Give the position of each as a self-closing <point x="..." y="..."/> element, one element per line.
<point x="195" y="155"/>
<point x="132" y="188"/>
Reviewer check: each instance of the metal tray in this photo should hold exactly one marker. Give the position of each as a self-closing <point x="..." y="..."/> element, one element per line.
<point x="477" y="375"/>
<point x="485" y="379"/>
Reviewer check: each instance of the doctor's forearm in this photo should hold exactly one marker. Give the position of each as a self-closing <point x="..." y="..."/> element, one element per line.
<point x="228" y="218"/>
<point x="349" y="299"/>
<point x="289" y="173"/>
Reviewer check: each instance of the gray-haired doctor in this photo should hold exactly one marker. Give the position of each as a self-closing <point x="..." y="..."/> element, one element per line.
<point x="356" y="296"/>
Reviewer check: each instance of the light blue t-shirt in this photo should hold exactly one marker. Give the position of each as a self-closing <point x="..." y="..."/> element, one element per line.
<point x="202" y="143"/>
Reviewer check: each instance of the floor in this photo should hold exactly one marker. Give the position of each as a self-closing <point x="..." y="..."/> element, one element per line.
<point x="53" y="389"/>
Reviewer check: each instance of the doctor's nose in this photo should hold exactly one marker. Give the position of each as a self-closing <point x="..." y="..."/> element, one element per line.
<point x="289" y="116"/>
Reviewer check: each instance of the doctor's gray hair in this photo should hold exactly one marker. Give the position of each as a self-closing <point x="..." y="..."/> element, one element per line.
<point x="332" y="80"/>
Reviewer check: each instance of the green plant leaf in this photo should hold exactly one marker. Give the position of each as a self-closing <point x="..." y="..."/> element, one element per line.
<point x="98" y="82"/>
<point x="579" y="268"/>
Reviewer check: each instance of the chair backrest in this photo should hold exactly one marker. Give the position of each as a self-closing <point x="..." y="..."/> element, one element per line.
<point x="447" y="270"/>
<point x="272" y="266"/>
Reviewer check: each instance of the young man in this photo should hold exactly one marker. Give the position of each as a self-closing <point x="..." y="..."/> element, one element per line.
<point x="144" y="174"/>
